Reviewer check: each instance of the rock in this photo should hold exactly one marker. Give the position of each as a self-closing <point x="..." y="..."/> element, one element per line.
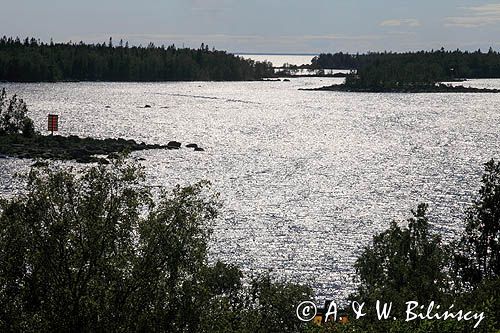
<point x="192" y="145"/>
<point x="286" y="80"/>
<point x="107" y="107"/>
<point x="199" y="149"/>
<point x="173" y="145"/>
<point x="147" y="106"/>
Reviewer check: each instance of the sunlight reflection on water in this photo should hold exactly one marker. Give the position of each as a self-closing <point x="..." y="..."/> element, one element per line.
<point x="306" y="178"/>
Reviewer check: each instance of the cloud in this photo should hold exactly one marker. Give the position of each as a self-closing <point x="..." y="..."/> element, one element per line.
<point x="489" y="9"/>
<point x="476" y="16"/>
<point x="400" y="22"/>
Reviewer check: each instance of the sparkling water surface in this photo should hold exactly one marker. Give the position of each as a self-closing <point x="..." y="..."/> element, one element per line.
<point x="306" y="177"/>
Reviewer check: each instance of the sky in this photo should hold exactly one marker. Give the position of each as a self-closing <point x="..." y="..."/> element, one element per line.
<point x="262" y="26"/>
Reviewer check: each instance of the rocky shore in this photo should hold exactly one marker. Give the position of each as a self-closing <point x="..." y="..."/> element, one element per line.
<point x="82" y="150"/>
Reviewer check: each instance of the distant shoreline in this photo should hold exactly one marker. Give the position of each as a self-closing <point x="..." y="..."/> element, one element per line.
<point x="441" y="88"/>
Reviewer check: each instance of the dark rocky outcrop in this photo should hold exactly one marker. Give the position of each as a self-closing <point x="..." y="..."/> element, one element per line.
<point x="173" y="145"/>
<point x="83" y="150"/>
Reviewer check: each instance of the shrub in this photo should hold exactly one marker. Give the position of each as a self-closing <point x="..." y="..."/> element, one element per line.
<point x="478" y="254"/>
<point x="404" y="263"/>
<point x="13" y="116"/>
<point x="95" y="253"/>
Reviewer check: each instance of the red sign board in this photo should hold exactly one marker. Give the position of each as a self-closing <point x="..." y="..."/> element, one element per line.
<point x="53" y="122"/>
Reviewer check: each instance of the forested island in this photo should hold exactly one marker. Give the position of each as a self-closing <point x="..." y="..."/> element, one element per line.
<point x="412" y="72"/>
<point x="446" y="65"/>
<point x="34" y="61"/>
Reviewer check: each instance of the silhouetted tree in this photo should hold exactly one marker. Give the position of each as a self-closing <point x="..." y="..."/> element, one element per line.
<point x="478" y="254"/>
<point x="13" y="116"/>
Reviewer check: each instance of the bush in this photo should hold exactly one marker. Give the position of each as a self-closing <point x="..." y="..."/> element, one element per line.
<point x="13" y="116"/>
<point x="410" y="263"/>
<point x="478" y="254"/>
<point x="94" y="253"/>
<point x="403" y="264"/>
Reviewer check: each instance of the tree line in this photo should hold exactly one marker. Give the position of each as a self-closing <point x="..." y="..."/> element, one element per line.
<point x="447" y="64"/>
<point x="34" y="61"/>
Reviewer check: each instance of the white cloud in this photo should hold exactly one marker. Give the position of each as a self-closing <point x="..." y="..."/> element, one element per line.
<point x="492" y="8"/>
<point x="411" y="22"/>
<point x="476" y="16"/>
